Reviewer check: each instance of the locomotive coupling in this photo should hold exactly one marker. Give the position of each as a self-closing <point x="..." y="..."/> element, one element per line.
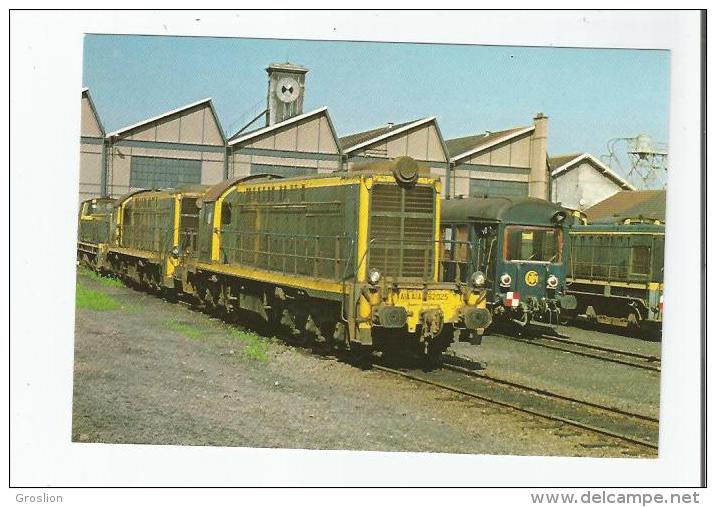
<point x="567" y="301"/>
<point x="389" y="316"/>
<point x="476" y="318"/>
<point x="432" y="323"/>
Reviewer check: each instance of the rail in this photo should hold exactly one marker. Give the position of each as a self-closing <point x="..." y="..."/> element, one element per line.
<point x="612" y="422"/>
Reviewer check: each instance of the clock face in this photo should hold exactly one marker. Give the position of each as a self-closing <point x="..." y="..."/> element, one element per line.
<point x="287" y="89"/>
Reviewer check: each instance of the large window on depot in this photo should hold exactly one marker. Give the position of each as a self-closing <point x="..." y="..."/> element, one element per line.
<point x="159" y="172"/>
<point x="480" y="187"/>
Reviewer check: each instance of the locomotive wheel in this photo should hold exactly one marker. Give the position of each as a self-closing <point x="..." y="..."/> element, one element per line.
<point x="223" y="300"/>
<point x="210" y="302"/>
<point x="294" y="331"/>
<point x="359" y="355"/>
<point x="634" y="320"/>
<point x="338" y="339"/>
<point x="171" y="295"/>
<point x="298" y="339"/>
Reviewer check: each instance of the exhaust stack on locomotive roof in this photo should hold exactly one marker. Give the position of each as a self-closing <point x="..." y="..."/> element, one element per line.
<point x="406" y="170"/>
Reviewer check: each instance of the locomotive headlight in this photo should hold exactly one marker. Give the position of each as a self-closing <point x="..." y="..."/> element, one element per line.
<point x="373" y="276"/>
<point x="505" y="280"/>
<point x="477" y="279"/>
<point x="552" y="281"/>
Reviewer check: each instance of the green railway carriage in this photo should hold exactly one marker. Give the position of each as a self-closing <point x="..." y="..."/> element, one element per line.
<point x="93" y="230"/>
<point x="347" y="258"/>
<point x="617" y="272"/>
<point x="151" y="231"/>
<point x="517" y="248"/>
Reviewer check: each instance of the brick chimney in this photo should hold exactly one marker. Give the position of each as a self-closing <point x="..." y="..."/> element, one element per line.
<point x="539" y="173"/>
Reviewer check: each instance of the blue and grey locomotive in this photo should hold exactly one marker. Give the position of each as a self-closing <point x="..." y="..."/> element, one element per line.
<point x="518" y="248"/>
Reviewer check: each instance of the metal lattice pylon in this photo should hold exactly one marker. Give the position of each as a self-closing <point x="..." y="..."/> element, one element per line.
<point x="648" y="160"/>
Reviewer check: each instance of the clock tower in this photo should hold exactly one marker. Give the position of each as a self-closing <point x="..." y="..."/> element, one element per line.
<point x="286" y="83"/>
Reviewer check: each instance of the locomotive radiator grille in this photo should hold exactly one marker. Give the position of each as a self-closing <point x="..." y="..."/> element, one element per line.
<point x="402" y="231"/>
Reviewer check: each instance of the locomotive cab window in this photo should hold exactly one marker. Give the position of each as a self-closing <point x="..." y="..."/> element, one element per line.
<point x="455" y="261"/>
<point x="461" y="243"/>
<point x="536" y="244"/>
<point x="226" y="214"/>
<point x="447" y="240"/>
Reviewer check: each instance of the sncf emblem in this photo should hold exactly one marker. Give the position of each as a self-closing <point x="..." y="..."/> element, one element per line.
<point x="531" y="278"/>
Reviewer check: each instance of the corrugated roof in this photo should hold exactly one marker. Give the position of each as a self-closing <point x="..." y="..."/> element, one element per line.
<point x="650" y="204"/>
<point x="245" y="133"/>
<point x="462" y="147"/>
<point x="348" y="142"/>
<point x="360" y="140"/>
<point x="245" y="136"/>
<point x="570" y="161"/>
<point x="560" y="160"/>
<point x="207" y="100"/>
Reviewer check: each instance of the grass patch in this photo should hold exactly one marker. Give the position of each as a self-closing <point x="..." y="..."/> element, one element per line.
<point x="132" y="308"/>
<point x="254" y="347"/>
<point x="107" y="281"/>
<point x="94" y="300"/>
<point x="188" y="330"/>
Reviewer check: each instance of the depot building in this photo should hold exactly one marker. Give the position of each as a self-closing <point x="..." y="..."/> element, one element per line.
<point x="188" y="145"/>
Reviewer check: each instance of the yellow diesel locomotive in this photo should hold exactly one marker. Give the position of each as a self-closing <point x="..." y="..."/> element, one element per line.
<point x="351" y="259"/>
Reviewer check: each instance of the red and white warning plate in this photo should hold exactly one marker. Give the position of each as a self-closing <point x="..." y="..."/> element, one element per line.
<point x="512" y="299"/>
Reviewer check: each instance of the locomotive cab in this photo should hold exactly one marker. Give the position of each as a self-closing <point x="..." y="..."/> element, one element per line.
<point x="519" y="247"/>
<point x="93" y="231"/>
<point x="403" y="284"/>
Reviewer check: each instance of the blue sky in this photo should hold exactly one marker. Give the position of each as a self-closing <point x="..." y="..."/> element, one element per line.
<point x="590" y="95"/>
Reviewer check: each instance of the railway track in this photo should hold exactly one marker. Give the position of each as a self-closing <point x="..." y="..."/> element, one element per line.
<point x="608" y="354"/>
<point x="455" y="376"/>
<point x="621" y="425"/>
